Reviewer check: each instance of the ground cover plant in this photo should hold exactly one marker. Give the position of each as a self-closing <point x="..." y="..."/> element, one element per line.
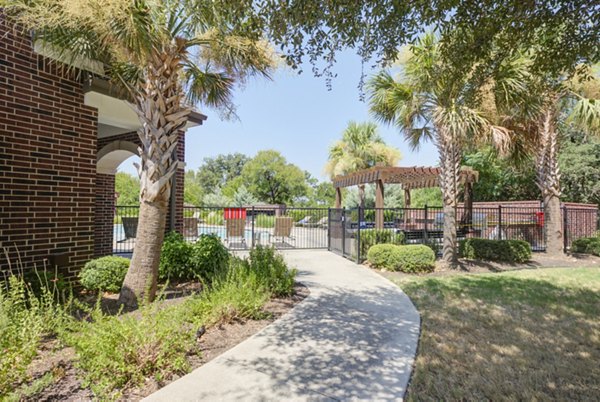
<point x="118" y="353"/>
<point x="519" y="335"/>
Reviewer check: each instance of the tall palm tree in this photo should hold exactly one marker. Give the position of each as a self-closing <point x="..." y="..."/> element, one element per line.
<point x="165" y="56"/>
<point x="361" y="147"/>
<point x="431" y="103"/>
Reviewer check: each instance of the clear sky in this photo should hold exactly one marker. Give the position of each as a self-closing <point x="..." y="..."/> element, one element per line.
<point x="296" y="115"/>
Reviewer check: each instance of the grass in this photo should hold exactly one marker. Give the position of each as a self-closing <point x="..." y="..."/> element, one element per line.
<point x="520" y="335"/>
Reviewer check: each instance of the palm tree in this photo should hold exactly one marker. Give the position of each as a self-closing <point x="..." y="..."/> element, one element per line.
<point x="361" y="147"/>
<point x="165" y="56"/>
<point x="431" y="103"/>
<point x="560" y="102"/>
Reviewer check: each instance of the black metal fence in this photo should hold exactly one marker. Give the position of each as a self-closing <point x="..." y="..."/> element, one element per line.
<point x="239" y="228"/>
<point x="349" y="232"/>
<point x="353" y="230"/>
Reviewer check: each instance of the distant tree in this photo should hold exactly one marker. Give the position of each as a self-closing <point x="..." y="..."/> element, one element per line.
<point x="501" y="179"/>
<point x="323" y="194"/>
<point x="579" y="162"/>
<point x="270" y="178"/>
<point x="216" y="172"/>
<point x="216" y="199"/>
<point x="128" y="188"/>
<point x="426" y="196"/>
<point x="192" y="191"/>
<point x="394" y="197"/>
<point x="361" y="147"/>
<point x="243" y="197"/>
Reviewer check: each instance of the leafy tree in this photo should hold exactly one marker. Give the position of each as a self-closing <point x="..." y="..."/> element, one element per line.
<point x="270" y="178"/>
<point x="323" y="194"/>
<point x="192" y="191"/>
<point x="429" y="102"/>
<point x="128" y="189"/>
<point x="361" y="147"/>
<point x="473" y="33"/>
<point x="426" y="196"/>
<point x="216" y="199"/>
<point x="580" y="171"/>
<point x="160" y="53"/>
<point x="501" y="179"/>
<point x="394" y="197"/>
<point x="243" y="197"/>
<point x="218" y="171"/>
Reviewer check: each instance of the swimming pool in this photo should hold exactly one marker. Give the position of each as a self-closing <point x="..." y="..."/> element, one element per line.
<point x="220" y="231"/>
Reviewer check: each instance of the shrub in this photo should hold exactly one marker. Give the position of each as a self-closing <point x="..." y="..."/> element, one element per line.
<point x="121" y="351"/>
<point x="409" y="259"/>
<point x="104" y="273"/>
<point x="370" y="237"/>
<point x="175" y="258"/>
<point x="209" y="258"/>
<point x="510" y="251"/>
<point x="25" y="319"/>
<point x="586" y="245"/>
<point x="271" y="270"/>
<point x="264" y="221"/>
<point x="214" y="218"/>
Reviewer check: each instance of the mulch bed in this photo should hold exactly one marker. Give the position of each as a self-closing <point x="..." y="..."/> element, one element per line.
<point x="60" y="361"/>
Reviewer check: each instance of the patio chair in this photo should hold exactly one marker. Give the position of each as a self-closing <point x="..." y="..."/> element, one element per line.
<point x="190" y="227"/>
<point x="235" y="228"/>
<point x="321" y="223"/>
<point x="304" y="221"/>
<point x="283" y="228"/>
<point x="130" y="224"/>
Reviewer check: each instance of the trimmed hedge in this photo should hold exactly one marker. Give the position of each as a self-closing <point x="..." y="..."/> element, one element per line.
<point x="410" y="259"/>
<point x="371" y="237"/>
<point x="104" y="273"/>
<point x="511" y="251"/>
<point x="586" y="245"/>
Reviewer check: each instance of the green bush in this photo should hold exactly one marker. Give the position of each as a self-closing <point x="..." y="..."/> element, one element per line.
<point x="214" y="218"/>
<point x="264" y="221"/>
<point x="586" y="245"/>
<point x="182" y="261"/>
<point x="175" y="258"/>
<point x="410" y="259"/>
<point x="370" y="237"/>
<point x="271" y="270"/>
<point x="510" y="251"/>
<point x="209" y="258"/>
<point x="104" y="273"/>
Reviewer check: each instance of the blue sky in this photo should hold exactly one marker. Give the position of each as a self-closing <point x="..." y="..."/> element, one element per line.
<point x="296" y="115"/>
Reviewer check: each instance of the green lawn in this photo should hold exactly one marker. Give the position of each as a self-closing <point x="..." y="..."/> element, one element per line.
<point x="520" y="335"/>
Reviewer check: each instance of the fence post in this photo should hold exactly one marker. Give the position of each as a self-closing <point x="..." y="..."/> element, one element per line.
<point x="565" y="229"/>
<point x="426" y="224"/>
<point x="360" y="212"/>
<point x="343" y="232"/>
<point x="253" y="240"/>
<point x="329" y="229"/>
<point x="499" y="222"/>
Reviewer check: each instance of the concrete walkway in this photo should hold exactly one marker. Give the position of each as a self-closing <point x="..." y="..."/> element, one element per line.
<point x="353" y="338"/>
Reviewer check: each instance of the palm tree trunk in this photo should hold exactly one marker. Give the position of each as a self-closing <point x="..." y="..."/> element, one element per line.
<point x="450" y="158"/>
<point x="160" y="110"/>
<point x="548" y="180"/>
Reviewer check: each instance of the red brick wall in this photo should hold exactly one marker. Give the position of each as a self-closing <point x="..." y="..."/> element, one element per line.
<point x="104" y="214"/>
<point x="47" y="160"/>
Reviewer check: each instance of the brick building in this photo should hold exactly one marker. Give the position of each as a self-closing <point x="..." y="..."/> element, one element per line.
<point x="62" y="137"/>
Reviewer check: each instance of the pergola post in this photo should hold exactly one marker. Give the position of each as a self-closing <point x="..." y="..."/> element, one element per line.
<point x="406" y="204"/>
<point x="379" y="218"/>
<point x="338" y="197"/>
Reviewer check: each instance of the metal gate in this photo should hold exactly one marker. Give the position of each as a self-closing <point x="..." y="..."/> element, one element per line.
<point x="342" y="232"/>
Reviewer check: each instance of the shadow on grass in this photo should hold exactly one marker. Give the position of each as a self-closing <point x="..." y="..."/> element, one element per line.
<point x="507" y="337"/>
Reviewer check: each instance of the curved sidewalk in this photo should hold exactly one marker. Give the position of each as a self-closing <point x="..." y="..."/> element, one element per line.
<point x="354" y="337"/>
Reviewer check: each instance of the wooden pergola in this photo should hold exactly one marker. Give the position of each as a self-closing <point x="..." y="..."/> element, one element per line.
<point x="409" y="177"/>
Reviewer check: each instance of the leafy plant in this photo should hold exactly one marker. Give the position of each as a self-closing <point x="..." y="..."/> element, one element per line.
<point x="209" y="258"/>
<point x="104" y="273"/>
<point x="510" y="251"/>
<point x="175" y="258"/>
<point x="371" y="237"/>
<point x="410" y="259"/>
<point x="271" y="270"/>
<point x="586" y="245"/>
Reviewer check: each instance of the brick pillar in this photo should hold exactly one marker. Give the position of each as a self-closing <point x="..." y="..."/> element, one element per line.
<point x="178" y="189"/>
<point x="104" y="214"/>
